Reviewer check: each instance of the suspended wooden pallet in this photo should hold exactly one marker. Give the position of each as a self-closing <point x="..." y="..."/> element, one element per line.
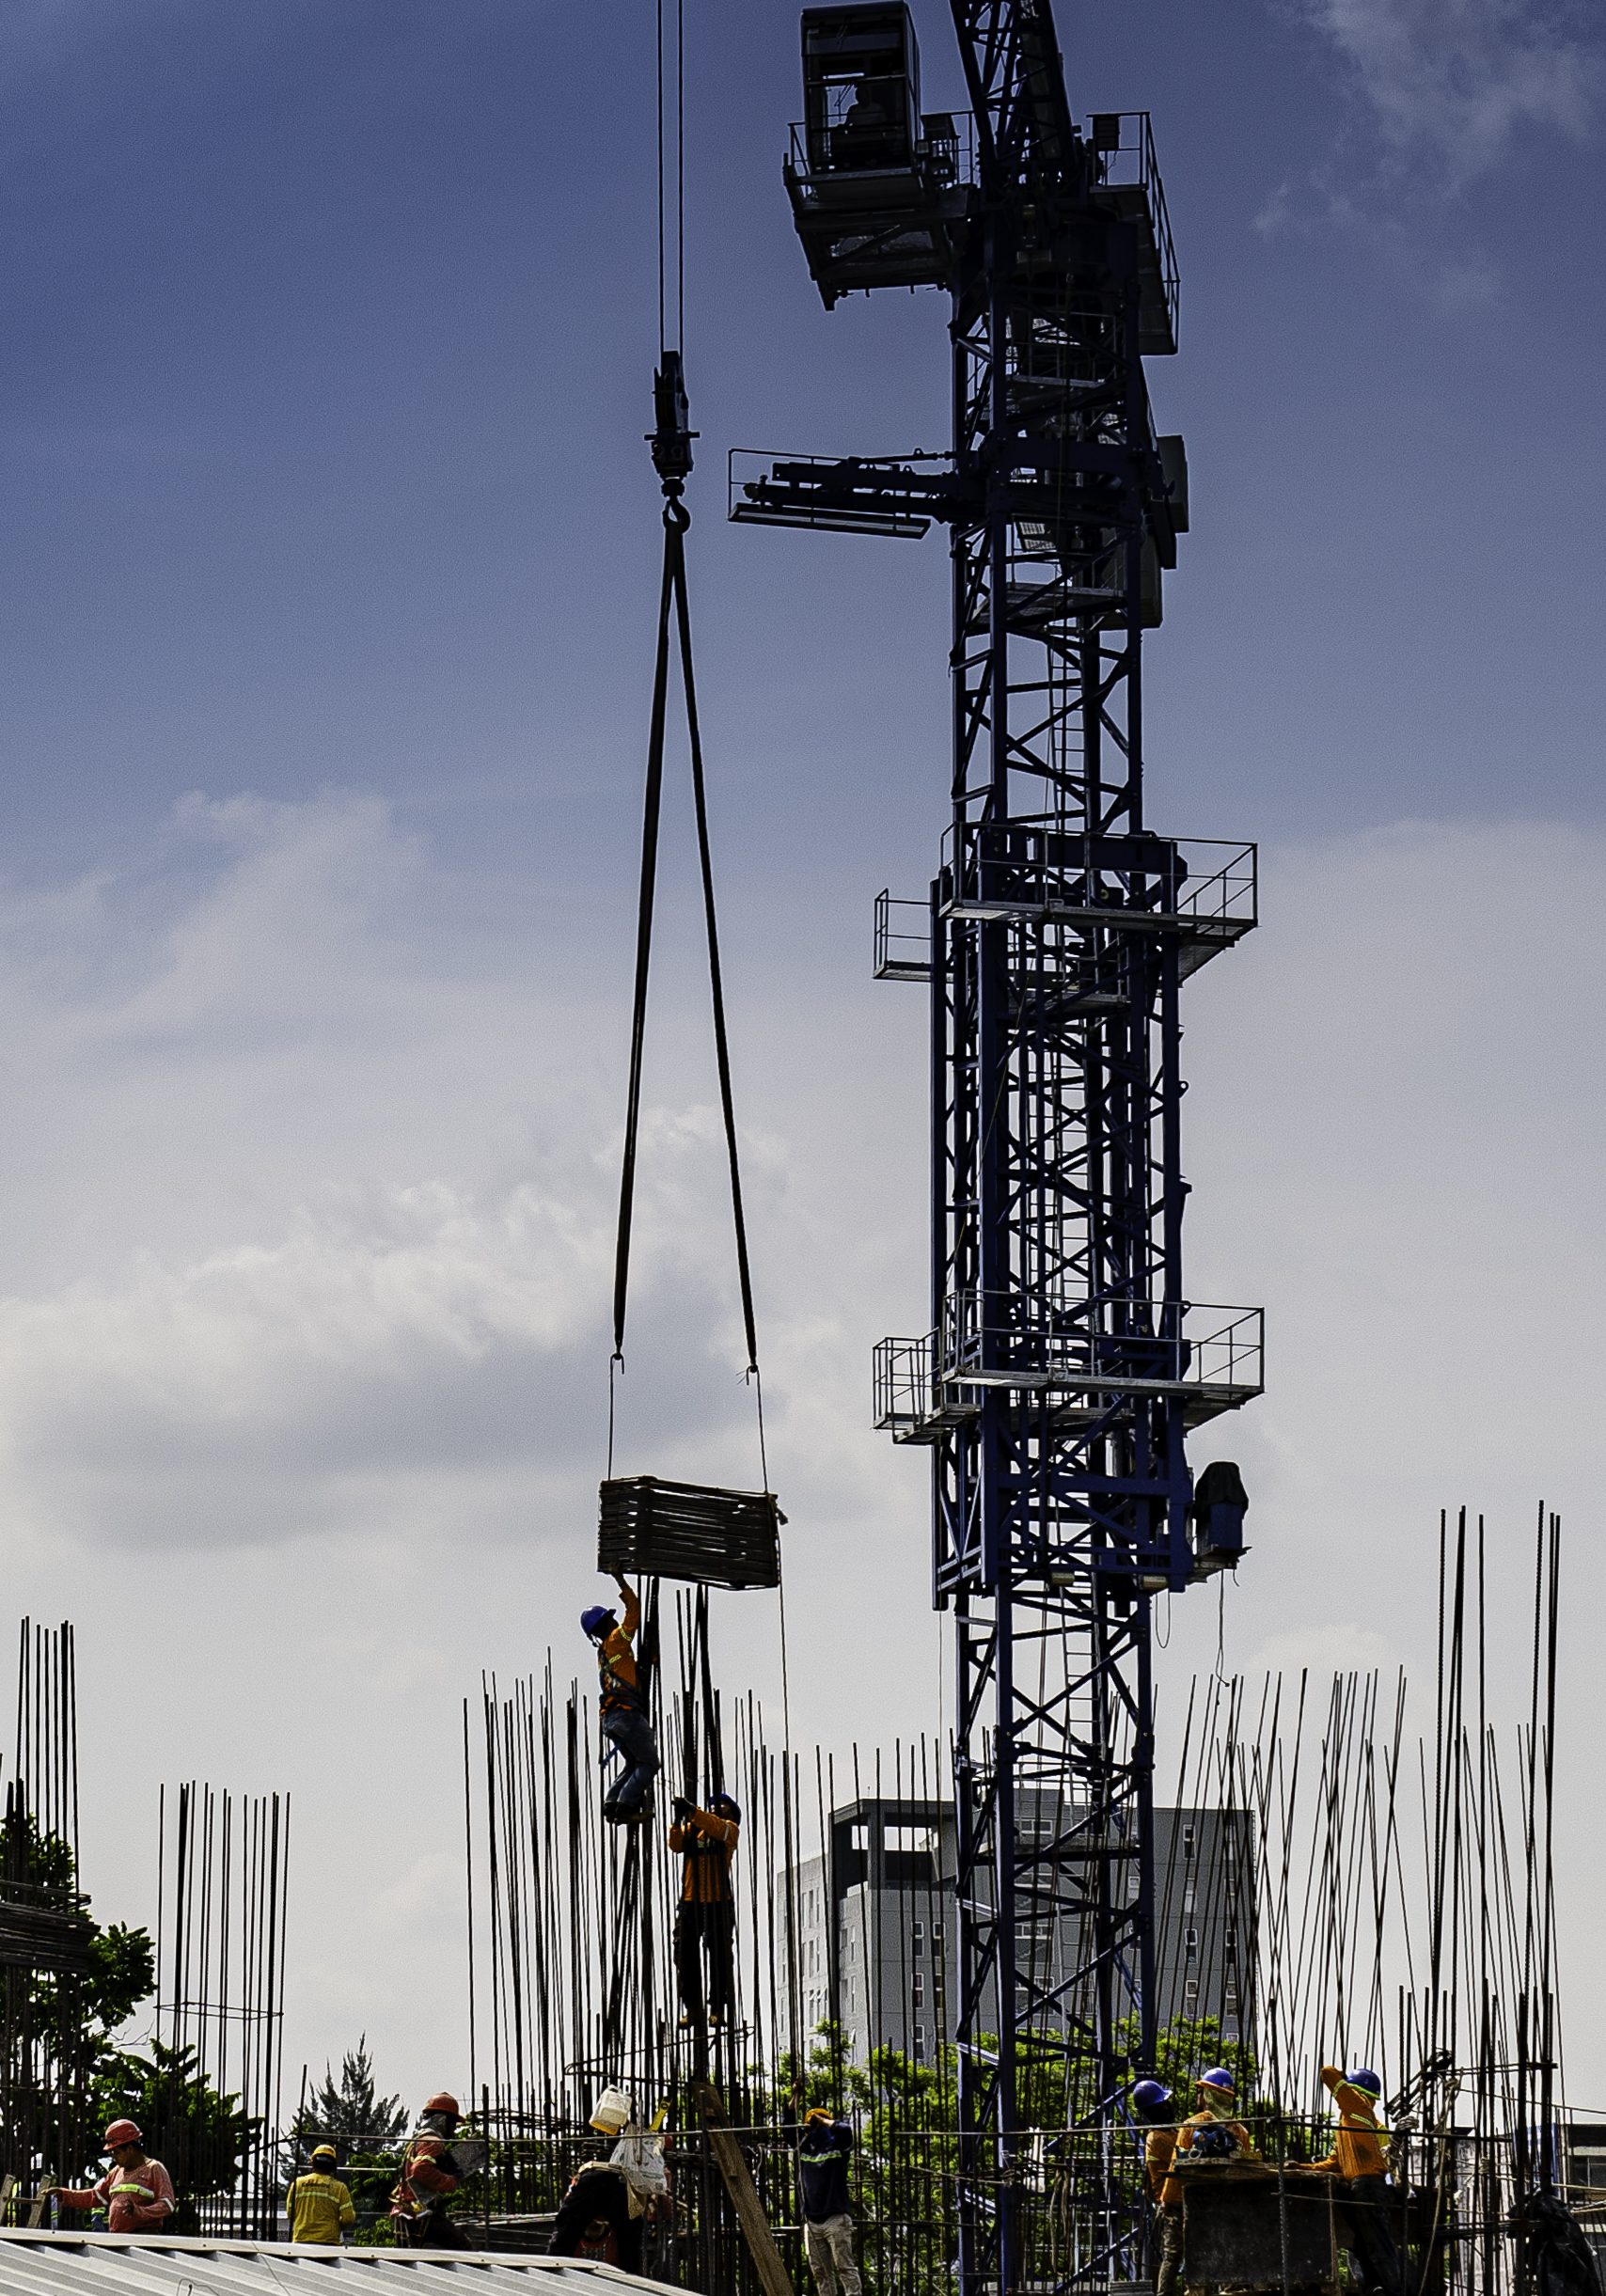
<point x="688" y="1530"/>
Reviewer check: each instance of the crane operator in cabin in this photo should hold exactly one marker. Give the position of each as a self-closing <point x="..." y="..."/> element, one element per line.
<point x="624" y="1717"/>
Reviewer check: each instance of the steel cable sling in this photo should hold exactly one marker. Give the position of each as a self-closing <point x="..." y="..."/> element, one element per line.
<point x="695" y="1532"/>
<point x="671" y="456"/>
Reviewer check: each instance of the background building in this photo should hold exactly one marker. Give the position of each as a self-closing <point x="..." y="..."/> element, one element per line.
<point x="877" y="1925"/>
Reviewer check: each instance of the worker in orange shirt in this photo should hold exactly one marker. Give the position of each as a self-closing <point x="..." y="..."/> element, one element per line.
<point x="136" y="2192"/>
<point x="1152" y="2105"/>
<point x="705" y="1919"/>
<point x="1211" y="2133"/>
<point x="429" y="2178"/>
<point x="624" y="1717"/>
<point x="1358" y="2158"/>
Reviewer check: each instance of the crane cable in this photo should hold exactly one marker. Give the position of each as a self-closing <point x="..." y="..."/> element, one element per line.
<point x="670" y="441"/>
<point x="671" y="447"/>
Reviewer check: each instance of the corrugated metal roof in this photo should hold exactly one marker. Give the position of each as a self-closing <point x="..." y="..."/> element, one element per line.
<point x="116" y="2264"/>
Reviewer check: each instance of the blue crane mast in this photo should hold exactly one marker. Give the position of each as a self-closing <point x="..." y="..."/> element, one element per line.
<point x="1064" y="1364"/>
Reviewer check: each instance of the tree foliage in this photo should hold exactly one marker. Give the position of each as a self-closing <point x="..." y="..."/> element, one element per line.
<point x="350" y="2114"/>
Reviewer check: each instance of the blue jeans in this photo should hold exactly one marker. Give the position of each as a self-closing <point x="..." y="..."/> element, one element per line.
<point x="631" y="1735"/>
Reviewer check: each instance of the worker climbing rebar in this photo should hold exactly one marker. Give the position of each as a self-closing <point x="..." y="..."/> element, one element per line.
<point x="624" y="1720"/>
<point x="705" y="1918"/>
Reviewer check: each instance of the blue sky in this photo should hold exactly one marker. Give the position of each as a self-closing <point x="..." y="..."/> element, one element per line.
<point x="326" y="576"/>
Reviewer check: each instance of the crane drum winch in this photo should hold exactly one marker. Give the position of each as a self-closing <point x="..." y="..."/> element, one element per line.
<point x="1064" y="1364"/>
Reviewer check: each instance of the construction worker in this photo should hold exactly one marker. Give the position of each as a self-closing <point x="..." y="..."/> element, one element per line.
<point x="705" y="1919"/>
<point x="1359" y="2160"/>
<point x="136" y="2192"/>
<point x="623" y="1716"/>
<point x="600" y="2210"/>
<point x="1211" y="2133"/>
<point x="318" y="2204"/>
<point x="823" y="2150"/>
<point x="428" y="2179"/>
<point x="1152" y="2105"/>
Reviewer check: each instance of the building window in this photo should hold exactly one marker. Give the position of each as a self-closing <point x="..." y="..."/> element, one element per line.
<point x="1194" y="1945"/>
<point x="1187" y="1840"/>
<point x="919" y="2044"/>
<point x="1230" y="1945"/>
<point x="917" y="1938"/>
<point x="1191" y="1989"/>
<point x="919" y="1991"/>
<point x="1190" y="1893"/>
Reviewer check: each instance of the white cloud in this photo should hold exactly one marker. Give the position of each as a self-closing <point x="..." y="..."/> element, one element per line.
<point x="1442" y="93"/>
<point x="1450" y="84"/>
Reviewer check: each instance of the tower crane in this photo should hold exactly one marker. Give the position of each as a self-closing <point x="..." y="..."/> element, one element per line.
<point x="1064" y="1364"/>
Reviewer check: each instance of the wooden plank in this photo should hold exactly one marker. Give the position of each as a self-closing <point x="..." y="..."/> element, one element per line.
<point x="732" y="2163"/>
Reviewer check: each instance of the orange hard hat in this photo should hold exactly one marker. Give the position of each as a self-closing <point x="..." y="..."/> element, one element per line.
<point x="122" y="2132"/>
<point x="441" y="2102"/>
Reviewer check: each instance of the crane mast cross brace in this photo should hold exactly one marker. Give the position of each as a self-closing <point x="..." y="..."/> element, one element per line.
<point x="1064" y="1363"/>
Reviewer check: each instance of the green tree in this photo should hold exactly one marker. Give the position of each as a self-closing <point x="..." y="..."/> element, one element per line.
<point x="63" y="2021"/>
<point x="350" y="2114"/>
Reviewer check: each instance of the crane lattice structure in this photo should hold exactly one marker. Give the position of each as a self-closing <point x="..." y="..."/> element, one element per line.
<point x="1066" y="1364"/>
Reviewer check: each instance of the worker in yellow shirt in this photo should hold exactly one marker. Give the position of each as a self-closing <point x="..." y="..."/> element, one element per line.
<point x="319" y="2205"/>
<point x="1358" y="2157"/>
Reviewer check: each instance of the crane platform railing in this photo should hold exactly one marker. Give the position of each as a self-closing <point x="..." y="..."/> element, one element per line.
<point x="1129" y="180"/>
<point x="1206" y="888"/>
<point x="902" y="937"/>
<point x="1212" y="1358"/>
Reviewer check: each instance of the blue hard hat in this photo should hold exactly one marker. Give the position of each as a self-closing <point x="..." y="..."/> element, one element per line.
<point x="1151" y="2095"/>
<point x="729" y="1804"/>
<point x="598" y="1615"/>
<point x="1219" y="2077"/>
<point x="1364" y="2078"/>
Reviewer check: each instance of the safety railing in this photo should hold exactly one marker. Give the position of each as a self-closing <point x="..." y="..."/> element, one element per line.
<point x="1212" y="1357"/>
<point x="900" y="1380"/>
<point x="1215" y="1354"/>
<point x="1204" y="886"/>
<point x="902" y="938"/>
<point x="1124" y="146"/>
